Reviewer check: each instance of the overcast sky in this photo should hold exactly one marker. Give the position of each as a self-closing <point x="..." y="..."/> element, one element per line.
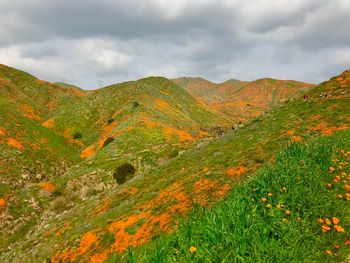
<point x="99" y="42"/>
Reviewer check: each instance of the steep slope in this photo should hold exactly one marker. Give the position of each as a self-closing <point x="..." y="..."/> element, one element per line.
<point x="242" y="100"/>
<point x="109" y="221"/>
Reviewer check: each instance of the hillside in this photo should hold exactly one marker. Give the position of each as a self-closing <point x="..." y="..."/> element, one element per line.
<point x="154" y="108"/>
<point x="293" y="210"/>
<point x="46" y="129"/>
<point x="98" y="219"/>
<point x="243" y="100"/>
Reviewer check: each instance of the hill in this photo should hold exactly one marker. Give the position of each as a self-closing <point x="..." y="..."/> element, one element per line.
<point x="47" y="128"/>
<point x="242" y="100"/>
<point x="101" y="219"/>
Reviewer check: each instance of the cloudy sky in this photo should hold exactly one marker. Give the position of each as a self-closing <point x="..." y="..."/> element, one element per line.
<point x="98" y="42"/>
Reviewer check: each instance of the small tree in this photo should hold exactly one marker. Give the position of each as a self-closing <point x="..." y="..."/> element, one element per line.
<point x="124" y="173"/>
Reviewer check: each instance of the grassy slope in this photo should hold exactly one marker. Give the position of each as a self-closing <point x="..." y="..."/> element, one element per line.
<point x="151" y="203"/>
<point x="243" y="228"/>
<point x="285" y="228"/>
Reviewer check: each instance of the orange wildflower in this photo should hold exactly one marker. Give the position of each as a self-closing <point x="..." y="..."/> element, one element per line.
<point x="288" y="212"/>
<point x="336" y="246"/>
<point x="296" y="138"/>
<point x="329" y="185"/>
<point x="320" y="221"/>
<point x="347" y="196"/>
<point x="335" y="220"/>
<point x="347" y="242"/>
<point x="268" y="206"/>
<point x="47" y="186"/>
<point x="2" y="202"/>
<point x="325" y="228"/>
<point x="328" y="252"/>
<point x="235" y="171"/>
<point x="193" y="249"/>
<point x="269" y="194"/>
<point x="339" y="229"/>
<point x="328" y="222"/>
<point x="331" y="169"/>
<point x="14" y="143"/>
<point x="264" y="199"/>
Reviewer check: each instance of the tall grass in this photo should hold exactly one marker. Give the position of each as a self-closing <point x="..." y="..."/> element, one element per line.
<point x="285" y="228"/>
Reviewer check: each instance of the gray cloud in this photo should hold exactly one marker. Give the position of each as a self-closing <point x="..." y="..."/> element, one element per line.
<point x="85" y="42"/>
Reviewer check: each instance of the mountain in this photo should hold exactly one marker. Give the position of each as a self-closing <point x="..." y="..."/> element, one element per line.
<point x="140" y="156"/>
<point x="243" y="100"/>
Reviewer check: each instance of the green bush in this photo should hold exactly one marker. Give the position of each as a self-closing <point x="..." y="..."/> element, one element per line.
<point x="124" y="173"/>
<point x="108" y="141"/>
<point x="110" y="120"/>
<point x="77" y="135"/>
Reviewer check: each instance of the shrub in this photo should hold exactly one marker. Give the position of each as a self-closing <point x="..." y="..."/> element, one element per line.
<point x="173" y="153"/>
<point x="124" y="173"/>
<point x="110" y="120"/>
<point x="77" y="135"/>
<point x="59" y="204"/>
<point x="135" y="104"/>
<point x="108" y="141"/>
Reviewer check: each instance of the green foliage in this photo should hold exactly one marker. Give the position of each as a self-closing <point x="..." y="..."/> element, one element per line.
<point x="108" y="141"/>
<point x="111" y="120"/>
<point x="124" y="172"/>
<point x="77" y="135"/>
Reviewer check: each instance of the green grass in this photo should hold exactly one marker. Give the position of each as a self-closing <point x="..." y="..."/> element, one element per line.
<point x="243" y="229"/>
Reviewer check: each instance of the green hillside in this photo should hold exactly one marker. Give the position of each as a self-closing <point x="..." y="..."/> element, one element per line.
<point x="143" y="166"/>
<point x="46" y="129"/>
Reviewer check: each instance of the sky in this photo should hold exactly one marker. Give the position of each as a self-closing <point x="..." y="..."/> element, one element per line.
<point x="94" y="43"/>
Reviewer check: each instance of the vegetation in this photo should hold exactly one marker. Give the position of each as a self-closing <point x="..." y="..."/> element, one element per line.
<point x="77" y="135"/>
<point x="59" y="198"/>
<point x="124" y="172"/>
<point x="294" y="210"/>
<point x="108" y="141"/>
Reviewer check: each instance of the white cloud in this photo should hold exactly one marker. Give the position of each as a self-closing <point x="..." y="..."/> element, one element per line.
<point x="114" y="40"/>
